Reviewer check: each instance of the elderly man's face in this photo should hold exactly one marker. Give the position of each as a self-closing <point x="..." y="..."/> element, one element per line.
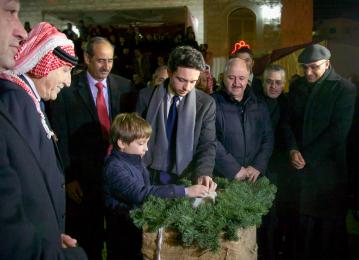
<point x="314" y="71"/>
<point x="273" y="85"/>
<point x="100" y="64"/>
<point x="183" y="80"/>
<point x="49" y="86"/>
<point x="236" y="78"/>
<point x="161" y="76"/>
<point x="11" y="32"/>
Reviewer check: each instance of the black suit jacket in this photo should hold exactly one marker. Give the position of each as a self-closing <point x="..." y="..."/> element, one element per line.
<point x="32" y="198"/>
<point x="74" y="118"/>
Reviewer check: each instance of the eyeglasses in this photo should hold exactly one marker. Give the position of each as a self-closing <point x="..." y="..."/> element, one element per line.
<point x="275" y="82"/>
<point x="313" y="67"/>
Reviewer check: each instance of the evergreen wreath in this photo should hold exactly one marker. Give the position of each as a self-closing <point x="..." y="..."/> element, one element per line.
<point x="238" y="205"/>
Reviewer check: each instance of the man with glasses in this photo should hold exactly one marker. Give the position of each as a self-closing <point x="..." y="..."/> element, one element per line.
<point x="271" y="234"/>
<point x="243" y="127"/>
<point x="320" y="112"/>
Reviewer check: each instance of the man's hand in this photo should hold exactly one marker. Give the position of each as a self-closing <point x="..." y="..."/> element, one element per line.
<point x="197" y="190"/>
<point x="208" y="182"/>
<point x="241" y="175"/>
<point x="296" y="159"/>
<point x="67" y="241"/>
<point x="252" y="173"/>
<point x="74" y="191"/>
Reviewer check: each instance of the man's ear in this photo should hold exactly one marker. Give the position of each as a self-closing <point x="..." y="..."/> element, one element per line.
<point x="87" y="58"/>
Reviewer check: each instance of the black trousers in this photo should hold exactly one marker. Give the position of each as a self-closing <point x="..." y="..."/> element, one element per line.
<point x="124" y="239"/>
<point x="318" y="238"/>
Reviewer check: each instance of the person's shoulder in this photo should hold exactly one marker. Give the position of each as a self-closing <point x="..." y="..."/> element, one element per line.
<point x="204" y="97"/>
<point x="114" y="160"/>
<point x="343" y="82"/>
<point x="219" y="96"/>
<point x="119" y="78"/>
<point x="10" y="90"/>
<point x="147" y="91"/>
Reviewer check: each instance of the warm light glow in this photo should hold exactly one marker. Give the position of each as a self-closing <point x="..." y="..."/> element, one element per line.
<point x="239" y="45"/>
<point x="271" y="13"/>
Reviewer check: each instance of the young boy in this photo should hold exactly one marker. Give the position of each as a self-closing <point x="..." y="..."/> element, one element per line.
<point x="127" y="185"/>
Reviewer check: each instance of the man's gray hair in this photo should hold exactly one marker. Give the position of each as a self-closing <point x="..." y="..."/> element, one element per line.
<point x="274" y="68"/>
<point x="231" y="61"/>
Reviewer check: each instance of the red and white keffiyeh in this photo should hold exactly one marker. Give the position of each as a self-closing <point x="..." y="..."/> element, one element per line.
<point x="36" y="56"/>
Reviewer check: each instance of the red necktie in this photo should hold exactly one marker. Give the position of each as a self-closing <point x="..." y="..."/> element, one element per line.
<point x="102" y="111"/>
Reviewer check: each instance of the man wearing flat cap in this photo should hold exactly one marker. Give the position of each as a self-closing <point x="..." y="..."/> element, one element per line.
<point x="32" y="192"/>
<point x="321" y="106"/>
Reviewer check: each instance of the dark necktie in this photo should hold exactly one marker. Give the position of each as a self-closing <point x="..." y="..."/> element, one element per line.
<point x="172" y="120"/>
<point x="102" y="111"/>
<point x="171" y="129"/>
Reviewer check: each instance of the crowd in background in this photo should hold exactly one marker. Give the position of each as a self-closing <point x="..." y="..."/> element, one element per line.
<point x="238" y="133"/>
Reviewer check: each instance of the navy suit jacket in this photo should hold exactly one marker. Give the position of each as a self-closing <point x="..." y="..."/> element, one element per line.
<point x="32" y="196"/>
<point x="127" y="183"/>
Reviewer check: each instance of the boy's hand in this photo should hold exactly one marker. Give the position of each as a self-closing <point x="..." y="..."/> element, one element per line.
<point x="197" y="190"/>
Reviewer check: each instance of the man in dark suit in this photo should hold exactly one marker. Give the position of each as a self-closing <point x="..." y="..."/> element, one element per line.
<point x="321" y="106"/>
<point x="32" y="196"/>
<point x="81" y="118"/>
<point x="188" y="150"/>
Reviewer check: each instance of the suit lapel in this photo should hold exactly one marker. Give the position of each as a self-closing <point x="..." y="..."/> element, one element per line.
<point x="113" y="97"/>
<point x="85" y="94"/>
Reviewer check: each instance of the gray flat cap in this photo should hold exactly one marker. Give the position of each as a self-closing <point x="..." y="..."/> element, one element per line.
<point x="313" y="53"/>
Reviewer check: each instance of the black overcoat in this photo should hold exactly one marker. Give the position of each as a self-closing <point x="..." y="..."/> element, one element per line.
<point x="319" y="119"/>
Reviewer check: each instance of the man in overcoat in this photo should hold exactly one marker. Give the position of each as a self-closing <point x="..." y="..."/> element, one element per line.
<point x="81" y="117"/>
<point x="243" y="126"/>
<point x="32" y="195"/>
<point x="321" y="106"/>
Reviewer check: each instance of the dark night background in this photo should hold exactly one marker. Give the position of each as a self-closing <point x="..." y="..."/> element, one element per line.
<point x="325" y="9"/>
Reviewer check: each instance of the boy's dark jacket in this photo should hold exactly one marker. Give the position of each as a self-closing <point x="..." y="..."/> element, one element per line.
<point x="127" y="183"/>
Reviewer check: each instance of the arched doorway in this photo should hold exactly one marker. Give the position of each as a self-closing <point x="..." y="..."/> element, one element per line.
<point x="242" y="26"/>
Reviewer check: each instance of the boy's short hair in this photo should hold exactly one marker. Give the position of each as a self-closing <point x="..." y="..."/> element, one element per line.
<point x="128" y="127"/>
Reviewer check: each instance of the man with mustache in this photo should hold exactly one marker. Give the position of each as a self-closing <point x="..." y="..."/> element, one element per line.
<point x="81" y="118"/>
